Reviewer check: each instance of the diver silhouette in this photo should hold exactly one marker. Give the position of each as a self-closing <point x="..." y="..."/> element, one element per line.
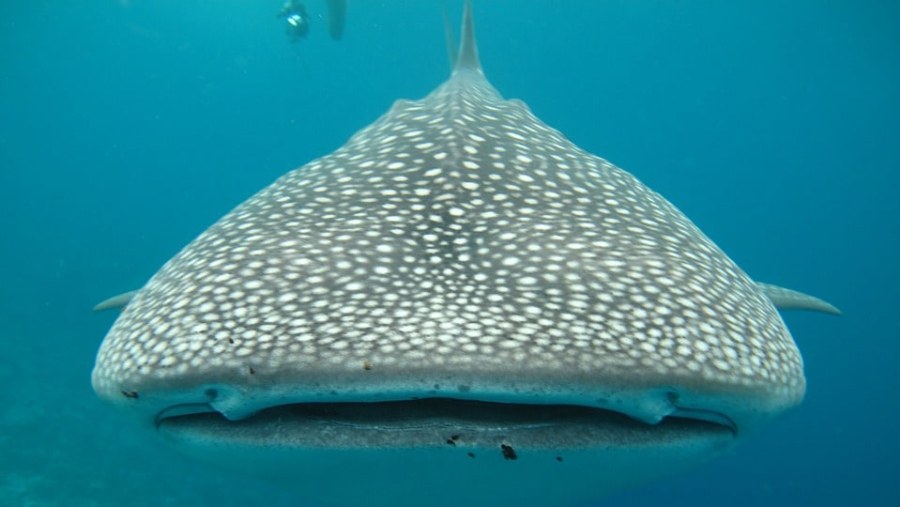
<point x="297" y="19"/>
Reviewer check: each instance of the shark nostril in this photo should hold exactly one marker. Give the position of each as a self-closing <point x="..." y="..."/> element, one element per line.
<point x="211" y="394"/>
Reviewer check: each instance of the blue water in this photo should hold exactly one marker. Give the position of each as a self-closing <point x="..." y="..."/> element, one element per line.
<point x="127" y="127"/>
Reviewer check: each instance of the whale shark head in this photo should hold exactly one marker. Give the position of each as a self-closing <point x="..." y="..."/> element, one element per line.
<point x="459" y="303"/>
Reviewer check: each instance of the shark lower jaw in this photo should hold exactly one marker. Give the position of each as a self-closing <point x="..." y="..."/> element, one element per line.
<point x="441" y="422"/>
<point x="441" y="452"/>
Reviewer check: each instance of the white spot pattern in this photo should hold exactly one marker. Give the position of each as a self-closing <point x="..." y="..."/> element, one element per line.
<point x="455" y="233"/>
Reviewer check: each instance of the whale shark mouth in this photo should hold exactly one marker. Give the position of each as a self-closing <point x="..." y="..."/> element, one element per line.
<point x="434" y="422"/>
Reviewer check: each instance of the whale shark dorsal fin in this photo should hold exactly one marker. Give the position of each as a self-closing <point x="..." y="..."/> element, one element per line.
<point x="467" y="56"/>
<point x="789" y="299"/>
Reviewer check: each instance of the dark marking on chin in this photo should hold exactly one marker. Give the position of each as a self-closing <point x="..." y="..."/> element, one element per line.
<point x="130" y="394"/>
<point x="508" y="452"/>
<point x="252" y="371"/>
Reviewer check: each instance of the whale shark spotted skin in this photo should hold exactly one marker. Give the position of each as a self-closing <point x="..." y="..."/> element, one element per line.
<point x="456" y="306"/>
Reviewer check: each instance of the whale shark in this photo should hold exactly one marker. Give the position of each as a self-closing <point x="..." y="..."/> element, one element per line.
<point x="458" y="306"/>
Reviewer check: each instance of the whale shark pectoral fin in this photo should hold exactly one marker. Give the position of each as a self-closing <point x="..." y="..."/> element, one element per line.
<point x="788" y="299"/>
<point x="118" y="301"/>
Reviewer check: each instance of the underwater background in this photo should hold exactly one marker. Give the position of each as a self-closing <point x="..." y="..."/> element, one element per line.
<point x="128" y="127"/>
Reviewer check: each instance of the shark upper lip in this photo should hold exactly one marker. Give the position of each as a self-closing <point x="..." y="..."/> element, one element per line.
<point x="438" y="420"/>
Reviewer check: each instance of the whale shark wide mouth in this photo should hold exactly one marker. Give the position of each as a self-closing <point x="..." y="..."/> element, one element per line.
<point x="432" y="422"/>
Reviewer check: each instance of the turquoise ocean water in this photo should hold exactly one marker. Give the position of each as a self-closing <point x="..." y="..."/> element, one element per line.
<point x="127" y="127"/>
